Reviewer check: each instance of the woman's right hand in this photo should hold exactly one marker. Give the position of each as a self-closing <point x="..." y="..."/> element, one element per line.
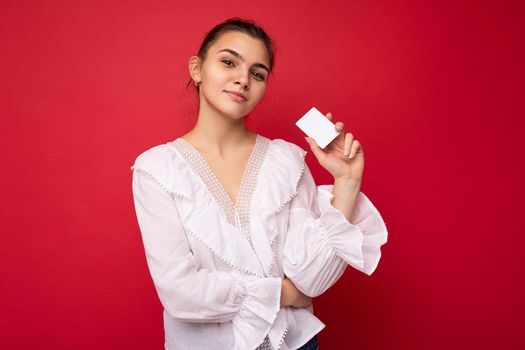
<point x="291" y="296"/>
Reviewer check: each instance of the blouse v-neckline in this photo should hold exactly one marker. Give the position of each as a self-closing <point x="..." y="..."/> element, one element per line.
<point x="238" y="214"/>
<point x="214" y="176"/>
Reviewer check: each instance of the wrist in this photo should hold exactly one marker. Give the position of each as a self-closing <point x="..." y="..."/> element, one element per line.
<point x="286" y="297"/>
<point x="345" y="192"/>
<point x="348" y="181"/>
<point x="346" y="188"/>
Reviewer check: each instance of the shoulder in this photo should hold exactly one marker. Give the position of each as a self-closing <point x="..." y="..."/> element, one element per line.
<point x="162" y="164"/>
<point x="162" y="158"/>
<point x="152" y="156"/>
<point x="281" y="172"/>
<point x="287" y="149"/>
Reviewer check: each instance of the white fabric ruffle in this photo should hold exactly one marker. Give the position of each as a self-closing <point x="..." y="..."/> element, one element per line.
<point x="294" y="229"/>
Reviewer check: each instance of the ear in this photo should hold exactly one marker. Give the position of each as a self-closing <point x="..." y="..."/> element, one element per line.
<point x="194" y="65"/>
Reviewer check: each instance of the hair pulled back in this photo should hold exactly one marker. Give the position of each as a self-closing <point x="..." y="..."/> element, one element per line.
<point x="235" y="24"/>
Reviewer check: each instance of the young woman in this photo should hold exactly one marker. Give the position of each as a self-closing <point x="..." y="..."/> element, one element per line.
<point x="238" y="237"/>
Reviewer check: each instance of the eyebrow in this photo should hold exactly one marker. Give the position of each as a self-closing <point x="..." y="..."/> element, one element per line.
<point x="236" y="54"/>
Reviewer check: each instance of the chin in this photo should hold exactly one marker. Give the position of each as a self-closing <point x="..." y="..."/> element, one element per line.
<point x="236" y="113"/>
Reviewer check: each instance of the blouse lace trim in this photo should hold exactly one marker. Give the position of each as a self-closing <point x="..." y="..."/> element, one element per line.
<point x="237" y="214"/>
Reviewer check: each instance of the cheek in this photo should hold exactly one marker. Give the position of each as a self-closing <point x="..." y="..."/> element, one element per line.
<point x="215" y="76"/>
<point x="261" y="92"/>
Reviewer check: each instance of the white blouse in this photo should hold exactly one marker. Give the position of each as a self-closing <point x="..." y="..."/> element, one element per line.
<point x="217" y="265"/>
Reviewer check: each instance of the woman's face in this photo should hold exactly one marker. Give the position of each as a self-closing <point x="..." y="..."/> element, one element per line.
<point x="223" y="70"/>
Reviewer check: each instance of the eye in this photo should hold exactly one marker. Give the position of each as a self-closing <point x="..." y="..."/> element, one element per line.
<point x="257" y="74"/>
<point x="225" y="61"/>
<point x="260" y="76"/>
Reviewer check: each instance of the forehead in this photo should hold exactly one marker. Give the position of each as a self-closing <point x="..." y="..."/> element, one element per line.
<point x="250" y="48"/>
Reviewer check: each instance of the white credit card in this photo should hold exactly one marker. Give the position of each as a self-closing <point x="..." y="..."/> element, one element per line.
<point x="317" y="126"/>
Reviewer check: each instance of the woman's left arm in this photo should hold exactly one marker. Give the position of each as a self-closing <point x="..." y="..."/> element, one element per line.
<point x="332" y="226"/>
<point x="344" y="159"/>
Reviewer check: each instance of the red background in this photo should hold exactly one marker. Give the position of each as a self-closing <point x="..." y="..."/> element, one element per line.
<point x="433" y="90"/>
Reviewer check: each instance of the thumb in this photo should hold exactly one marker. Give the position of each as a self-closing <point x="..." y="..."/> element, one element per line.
<point x="316" y="150"/>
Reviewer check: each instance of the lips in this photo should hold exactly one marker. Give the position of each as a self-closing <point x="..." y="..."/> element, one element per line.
<point x="238" y="94"/>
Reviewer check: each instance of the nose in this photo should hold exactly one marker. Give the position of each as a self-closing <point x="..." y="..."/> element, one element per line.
<point x="243" y="80"/>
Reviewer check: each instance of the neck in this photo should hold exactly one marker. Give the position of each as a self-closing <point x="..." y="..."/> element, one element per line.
<point x="218" y="134"/>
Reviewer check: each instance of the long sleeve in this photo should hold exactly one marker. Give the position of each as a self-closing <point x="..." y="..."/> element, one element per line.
<point x="195" y="294"/>
<point x="320" y="242"/>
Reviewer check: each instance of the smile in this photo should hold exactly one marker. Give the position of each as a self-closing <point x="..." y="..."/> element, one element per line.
<point x="236" y="97"/>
